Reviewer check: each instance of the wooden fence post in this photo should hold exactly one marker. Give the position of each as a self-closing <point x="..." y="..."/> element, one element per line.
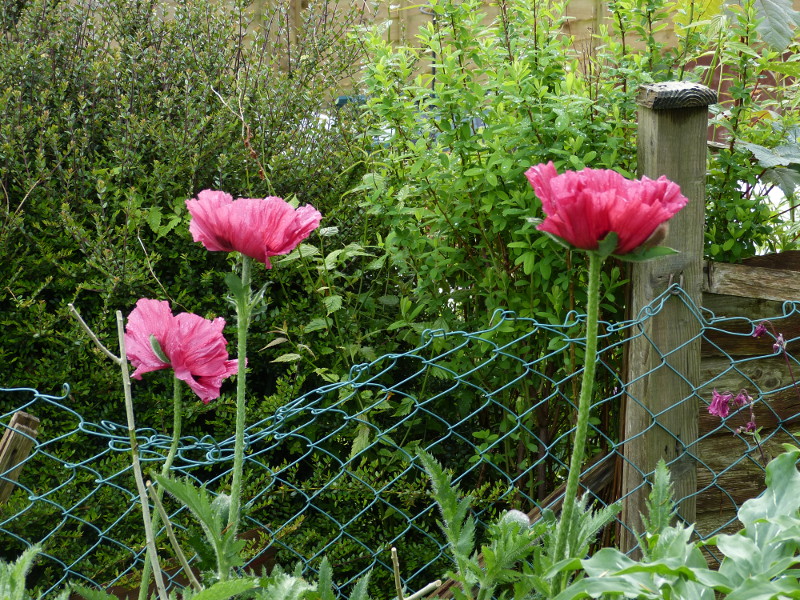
<point x="660" y="416"/>
<point x="14" y="448"/>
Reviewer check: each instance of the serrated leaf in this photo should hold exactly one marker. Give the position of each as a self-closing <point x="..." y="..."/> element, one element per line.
<point x="332" y="303"/>
<point x="317" y="324"/>
<point x="792" y="69"/>
<point x="222" y="590"/>
<point x="361" y="441"/>
<point x="288" y="357"/>
<point x="777" y="18"/>
<point x="325" y="581"/>
<point x="649" y="254"/>
<point x="788" y="180"/>
<point x="86" y="593"/>
<point x="328" y="231"/>
<point x="277" y="341"/>
<point x="302" y="251"/>
<point x="154" y="218"/>
<point x="360" y="589"/>
<point x="12" y="576"/>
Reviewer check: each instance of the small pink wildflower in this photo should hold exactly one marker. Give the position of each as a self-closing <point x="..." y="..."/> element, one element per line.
<point x="760" y="330"/>
<point x="720" y="404"/>
<point x="779" y="344"/>
<point x="742" y="398"/>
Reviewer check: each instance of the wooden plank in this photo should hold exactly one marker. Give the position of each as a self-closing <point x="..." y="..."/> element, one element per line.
<point x="725" y="481"/>
<point x="768" y="381"/>
<point x="15" y="446"/>
<point x="751" y="282"/>
<point x="732" y="337"/>
<point x="671" y="142"/>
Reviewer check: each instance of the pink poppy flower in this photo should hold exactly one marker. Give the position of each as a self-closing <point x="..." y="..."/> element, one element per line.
<point x="583" y="207"/>
<point x="258" y="228"/>
<point x="194" y="346"/>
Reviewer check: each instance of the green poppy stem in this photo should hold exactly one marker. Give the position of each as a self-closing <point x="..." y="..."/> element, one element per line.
<point x="242" y="323"/>
<point x="584" y="405"/>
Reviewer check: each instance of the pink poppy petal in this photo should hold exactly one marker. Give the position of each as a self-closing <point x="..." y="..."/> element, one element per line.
<point x="149" y="317"/>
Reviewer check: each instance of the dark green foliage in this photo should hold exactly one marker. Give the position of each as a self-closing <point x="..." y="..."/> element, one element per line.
<point x="113" y="114"/>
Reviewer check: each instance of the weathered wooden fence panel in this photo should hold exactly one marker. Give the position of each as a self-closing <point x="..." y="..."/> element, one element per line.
<point x="754" y="291"/>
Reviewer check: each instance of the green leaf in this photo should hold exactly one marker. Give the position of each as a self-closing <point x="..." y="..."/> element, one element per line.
<point x="792" y="69"/>
<point x="788" y="180"/>
<point x="649" y="254"/>
<point x="302" y="251"/>
<point x="782" y="496"/>
<point x="211" y="514"/>
<point x="288" y="357"/>
<point x="86" y="593"/>
<point x="222" y="590"/>
<point x="361" y="441"/>
<point x="317" y="324"/>
<point x="332" y="303"/>
<point x="608" y="244"/>
<point x="360" y="590"/>
<point x="780" y="156"/>
<point x="235" y="285"/>
<point x="458" y="526"/>
<point x="325" y="581"/>
<point x="777" y="18"/>
<point x="12" y="576"/>
<point x="285" y="587"/>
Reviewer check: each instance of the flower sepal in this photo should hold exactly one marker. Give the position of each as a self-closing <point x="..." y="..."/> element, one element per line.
<point x="157" y="350"/>
<point x="648" y="254"/>
<point x="607" y="245"/>
<point x="560" y="241"/>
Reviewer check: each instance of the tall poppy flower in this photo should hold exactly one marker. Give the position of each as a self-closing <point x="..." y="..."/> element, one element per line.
<point x="258" y="228"/>
<point x="584" y="207"/>
<point x="193" y="346"/>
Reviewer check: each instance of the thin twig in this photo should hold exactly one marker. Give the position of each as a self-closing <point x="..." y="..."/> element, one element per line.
<point x="92" y="335"/>
<point x="396" y="566"/>
<point x="171" y="535"/>
<point x="426" y="590"/>
<point x="137" y="468"/>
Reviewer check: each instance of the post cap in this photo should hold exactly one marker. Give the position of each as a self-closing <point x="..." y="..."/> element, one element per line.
<point x="675" y="94"/>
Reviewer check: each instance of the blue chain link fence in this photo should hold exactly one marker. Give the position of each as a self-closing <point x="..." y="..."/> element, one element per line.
<point x="333" y="473"/>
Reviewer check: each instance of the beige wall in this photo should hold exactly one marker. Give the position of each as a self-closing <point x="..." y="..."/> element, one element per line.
<point x="585" y="15"/>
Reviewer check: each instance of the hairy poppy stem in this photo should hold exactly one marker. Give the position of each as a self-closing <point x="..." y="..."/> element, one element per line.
<point x="242" y="323"/>
<point x="584" y="405"/>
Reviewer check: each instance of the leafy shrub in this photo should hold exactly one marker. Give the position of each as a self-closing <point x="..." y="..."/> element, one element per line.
<point x="114" y="114"/>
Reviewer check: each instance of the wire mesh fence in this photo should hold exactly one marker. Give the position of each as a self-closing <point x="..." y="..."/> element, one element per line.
<point x="333" y="473"/>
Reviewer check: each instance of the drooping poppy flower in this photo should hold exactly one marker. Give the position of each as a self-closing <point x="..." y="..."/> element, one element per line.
<point x="193" y="346"/>
<point x="584" y="207"/>
<point x="258" y="228"/>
